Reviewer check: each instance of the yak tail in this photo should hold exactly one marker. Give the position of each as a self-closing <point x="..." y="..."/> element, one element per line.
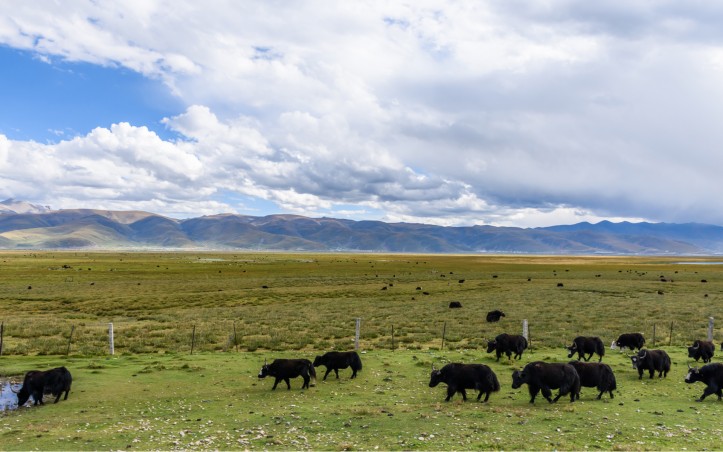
<point x="600" y="347"/>
<point x="356" y="363"/>
<point x="607" y="380"/>
<point x="493" y="381"/>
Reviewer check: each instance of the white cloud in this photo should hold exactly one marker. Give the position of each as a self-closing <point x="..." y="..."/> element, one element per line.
<point x="495" y="112"/>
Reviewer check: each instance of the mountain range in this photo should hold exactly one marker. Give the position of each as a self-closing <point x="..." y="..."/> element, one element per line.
<point x="27" y="226"/>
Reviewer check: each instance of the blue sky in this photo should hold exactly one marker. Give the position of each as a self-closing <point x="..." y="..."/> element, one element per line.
<point x="50" y="99"/>
<point x="490" y="112"/>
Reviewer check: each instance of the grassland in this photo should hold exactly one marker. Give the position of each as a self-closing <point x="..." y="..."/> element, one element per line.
<point x="153" y="394"/>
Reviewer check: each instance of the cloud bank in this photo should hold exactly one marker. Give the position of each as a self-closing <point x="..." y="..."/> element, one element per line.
<point x="493" y="112"/>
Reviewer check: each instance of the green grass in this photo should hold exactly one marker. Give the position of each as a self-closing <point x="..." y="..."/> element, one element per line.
<point x="310" y="301"/>
<point x="215" y="401"/>
<point x="154" y="395"/>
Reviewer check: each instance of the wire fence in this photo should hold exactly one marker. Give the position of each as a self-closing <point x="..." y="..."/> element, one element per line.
<point x="89" y="339"/>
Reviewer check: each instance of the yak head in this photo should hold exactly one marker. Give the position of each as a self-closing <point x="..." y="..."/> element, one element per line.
<point x="572" y="349"/>
<point x="491" y="346"/>
<point x="639" y="358"/>
<point x="693" y="375"/>
<point x="264" y="370"/>
<point x="435" y="377"/>
<point x="23" y="394"/>
<point x="319" y="361"/>
<point x="519" y="377"/>
<point x="694" y="350"/>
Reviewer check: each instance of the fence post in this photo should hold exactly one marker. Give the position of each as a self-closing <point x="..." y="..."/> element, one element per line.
<point x="193" y="338"/>
<point x="356" y="334"/>
<point x="70" y="338"/>
<point x="526" y="330"/>
<point x="393" y="338"/>
<point x="444" y="333"/>
<point x="111" y="339"/>
<point x="2" y="332"/>
<point x="235" y="341"/>
<point x="671" y="334"/>
<point x="653" y="334"/>
<point x="710" y="328"/>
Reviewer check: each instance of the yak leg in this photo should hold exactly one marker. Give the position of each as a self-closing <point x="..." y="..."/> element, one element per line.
<point x="451" y="390"/>
<point x="306" y="381"/>
<point x="487" y="396"/>
<point x="533" y="393"/>
<point x="276" y="382"/>
<point x="353" y="372"/>
<point x="328" y="369"/>
<point x="57" y="399"/>
<point x="547" y="393"/>
<point x="708" y="391"/>
<point x="588" y="358"/>
<point x="288" y="383"/>
<point x="336" y="371"/>
<point x="464" y="394"/>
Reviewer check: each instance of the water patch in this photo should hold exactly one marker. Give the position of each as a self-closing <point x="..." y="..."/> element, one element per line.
<point x="700" y="263"/>
<point x="8" y="399"/>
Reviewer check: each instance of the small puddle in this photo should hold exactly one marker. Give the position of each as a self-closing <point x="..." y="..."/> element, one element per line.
<point x="8" y="399"/>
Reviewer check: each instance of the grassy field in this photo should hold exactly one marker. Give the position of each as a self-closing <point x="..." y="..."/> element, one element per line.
<point x="309" y="302"/>
<point x="215" y="401"/>
<point x="153" y="394"/>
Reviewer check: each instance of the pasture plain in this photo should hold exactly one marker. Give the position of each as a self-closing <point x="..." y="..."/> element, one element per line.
<point x="247" y="307"/>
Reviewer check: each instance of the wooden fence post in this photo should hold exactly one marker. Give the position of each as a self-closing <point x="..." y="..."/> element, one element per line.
<point x="193" y="338"/>
<point x="2" y="332"/>
<point x="111" y="339"/>
<point x="671" y="334"/>
<point x="357" y="332"/>
<point x="235" y="341"/>
<point x="70" y="338"/>
<point x="393" y="347"/>
<point x="653" y="335"/>
<point x="444" y="333"/>
<point x="710" y="328"/>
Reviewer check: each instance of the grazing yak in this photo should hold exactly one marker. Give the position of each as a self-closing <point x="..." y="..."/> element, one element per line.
<point x="284" y="369"/>
<point x="339" y="360"/>
<point x="711" y="375"/>
<point x="587" y="346"/>
<point x="494" y="316"/>
<point x="36" y="383"/>
<point x="596" y="375"/>
<point x="702" y="349"/>
<point x="652" y="361"/>
<point x="507" y="344"/>
<point x="541" y="376"/>
<point x="455" y="304"/>
<point x="629" y="340"/>
<point x="458" y="377"/>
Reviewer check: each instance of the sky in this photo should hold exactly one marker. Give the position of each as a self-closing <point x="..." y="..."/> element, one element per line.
<point x="498" y="112"/>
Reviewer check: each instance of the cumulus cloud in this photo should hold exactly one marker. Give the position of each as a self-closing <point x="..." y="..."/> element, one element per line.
<point x="496" y="112"/>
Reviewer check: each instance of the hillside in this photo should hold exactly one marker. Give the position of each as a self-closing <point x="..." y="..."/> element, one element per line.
<point x="102" y="229"/>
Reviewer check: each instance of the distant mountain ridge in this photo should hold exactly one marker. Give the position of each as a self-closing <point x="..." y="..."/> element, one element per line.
<point x="39" y="227"/>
